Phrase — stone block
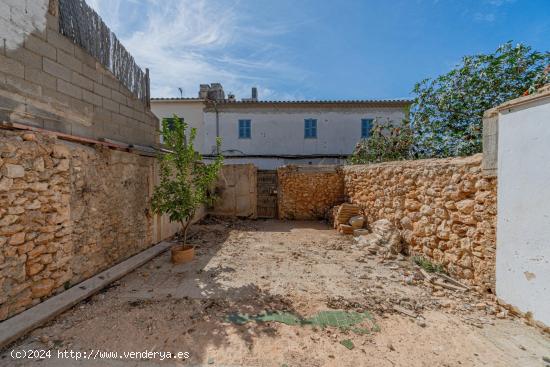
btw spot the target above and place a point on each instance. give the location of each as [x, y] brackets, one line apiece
[26, 57]
[102, 90]
[83, 55]
[5, 183]
[40, 47]
[17, 239]
[118, 97]
[13, 170]
[111, 82]
[57, 70]
[59, 41]
[22, 86]
[82, 81]
[111, 105]
[69, 61]
[69, 89]
[42, 288]
[37, 76]
[91, 73]
[92, 98]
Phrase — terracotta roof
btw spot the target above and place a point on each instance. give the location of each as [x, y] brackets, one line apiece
[353, 101]
[267, 102]
[177, 99]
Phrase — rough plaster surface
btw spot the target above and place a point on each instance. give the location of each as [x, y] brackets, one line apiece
[20, 18]
[523, 247]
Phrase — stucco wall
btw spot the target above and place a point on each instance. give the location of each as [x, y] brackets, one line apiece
[190, 111]
[67, 212]
[274, 163]
[281, 131]
[307, 193]
[523, 250]
[48, 82]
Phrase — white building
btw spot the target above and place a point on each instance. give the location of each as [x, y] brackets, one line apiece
[270, 134]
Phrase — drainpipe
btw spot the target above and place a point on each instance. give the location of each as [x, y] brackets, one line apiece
[217, 125]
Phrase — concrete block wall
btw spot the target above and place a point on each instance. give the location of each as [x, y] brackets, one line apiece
[48, 82]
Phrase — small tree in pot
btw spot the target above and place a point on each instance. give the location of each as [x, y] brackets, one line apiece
[185, 181]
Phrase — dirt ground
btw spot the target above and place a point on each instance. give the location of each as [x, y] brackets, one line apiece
[249, 267]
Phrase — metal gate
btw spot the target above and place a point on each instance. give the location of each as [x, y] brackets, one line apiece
[267, 194]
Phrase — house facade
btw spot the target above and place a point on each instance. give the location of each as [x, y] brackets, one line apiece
[271, 134]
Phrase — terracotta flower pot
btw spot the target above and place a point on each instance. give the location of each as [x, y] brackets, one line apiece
[181, 254]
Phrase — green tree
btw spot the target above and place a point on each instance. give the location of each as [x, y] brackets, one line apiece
[385, 143]
[185, 180]
[447, 111]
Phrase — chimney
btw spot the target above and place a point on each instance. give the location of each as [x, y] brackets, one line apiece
[254, 94]
[203, 91]
[216, 92]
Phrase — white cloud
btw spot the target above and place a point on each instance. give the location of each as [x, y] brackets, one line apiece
[487, 17]
[188, 42]
[500, 2]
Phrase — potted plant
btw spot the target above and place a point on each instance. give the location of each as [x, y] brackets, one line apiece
[185, 181]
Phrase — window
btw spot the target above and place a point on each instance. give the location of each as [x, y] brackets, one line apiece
[170, 121]
[366, 127]
[310, 129]
[244, 129]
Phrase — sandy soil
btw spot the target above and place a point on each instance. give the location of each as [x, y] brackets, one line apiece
[299, 267]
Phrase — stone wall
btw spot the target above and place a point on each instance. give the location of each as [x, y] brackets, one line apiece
[308, 192]
[445, 208]
[67, 212]
[49, 82]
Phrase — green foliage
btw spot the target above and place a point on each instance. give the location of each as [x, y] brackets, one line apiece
[428, 265]
[185, 180]
[447, 111]
[386, 143]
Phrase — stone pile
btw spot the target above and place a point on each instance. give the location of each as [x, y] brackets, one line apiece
[341, 216]
[384, 240]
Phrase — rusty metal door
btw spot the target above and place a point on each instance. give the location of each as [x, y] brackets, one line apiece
[267, 194]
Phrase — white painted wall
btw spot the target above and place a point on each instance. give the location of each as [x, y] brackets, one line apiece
[274, 163]
[191, 111]
[281, 131]
[19, 18]
[523, 228]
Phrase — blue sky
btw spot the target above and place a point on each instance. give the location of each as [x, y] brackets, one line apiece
[313, 49]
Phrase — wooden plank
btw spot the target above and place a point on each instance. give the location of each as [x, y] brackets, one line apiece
[404, 311]
[23, 323]
[78, 139]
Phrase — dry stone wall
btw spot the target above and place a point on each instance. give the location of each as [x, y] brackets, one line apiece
[308, 192]
[445, 208]
[67, 212]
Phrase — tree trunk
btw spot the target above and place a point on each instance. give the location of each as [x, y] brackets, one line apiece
[185, 226]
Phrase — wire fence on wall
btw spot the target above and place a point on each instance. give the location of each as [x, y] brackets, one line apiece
[84, 26]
